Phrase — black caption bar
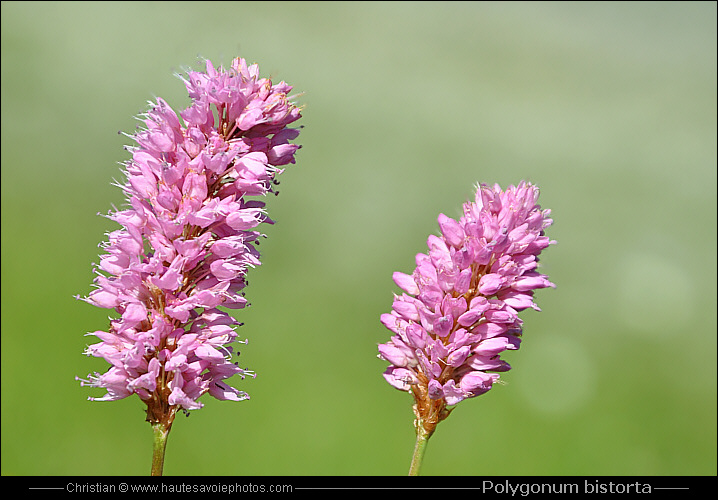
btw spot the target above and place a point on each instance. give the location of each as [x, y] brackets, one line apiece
[506, 487]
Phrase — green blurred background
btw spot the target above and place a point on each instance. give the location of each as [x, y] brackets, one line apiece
[609, 108]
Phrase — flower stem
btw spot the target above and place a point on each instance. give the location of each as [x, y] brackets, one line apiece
[158, 447]
[422, 438]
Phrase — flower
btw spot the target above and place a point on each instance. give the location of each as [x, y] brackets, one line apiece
[460, 306]
[188, 238]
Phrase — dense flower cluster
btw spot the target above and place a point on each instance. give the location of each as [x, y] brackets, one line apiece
[188, 238]
[460, 309]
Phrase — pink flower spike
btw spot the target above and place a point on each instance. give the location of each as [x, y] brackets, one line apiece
[459, 312]
[188, 238]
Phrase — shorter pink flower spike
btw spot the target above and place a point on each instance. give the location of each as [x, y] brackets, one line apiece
[459, 309]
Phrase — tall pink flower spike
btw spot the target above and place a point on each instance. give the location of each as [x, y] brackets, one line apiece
[188, 238]
[460, 306]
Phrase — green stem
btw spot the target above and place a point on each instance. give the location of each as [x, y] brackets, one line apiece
[422, 437]
[158, 447]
